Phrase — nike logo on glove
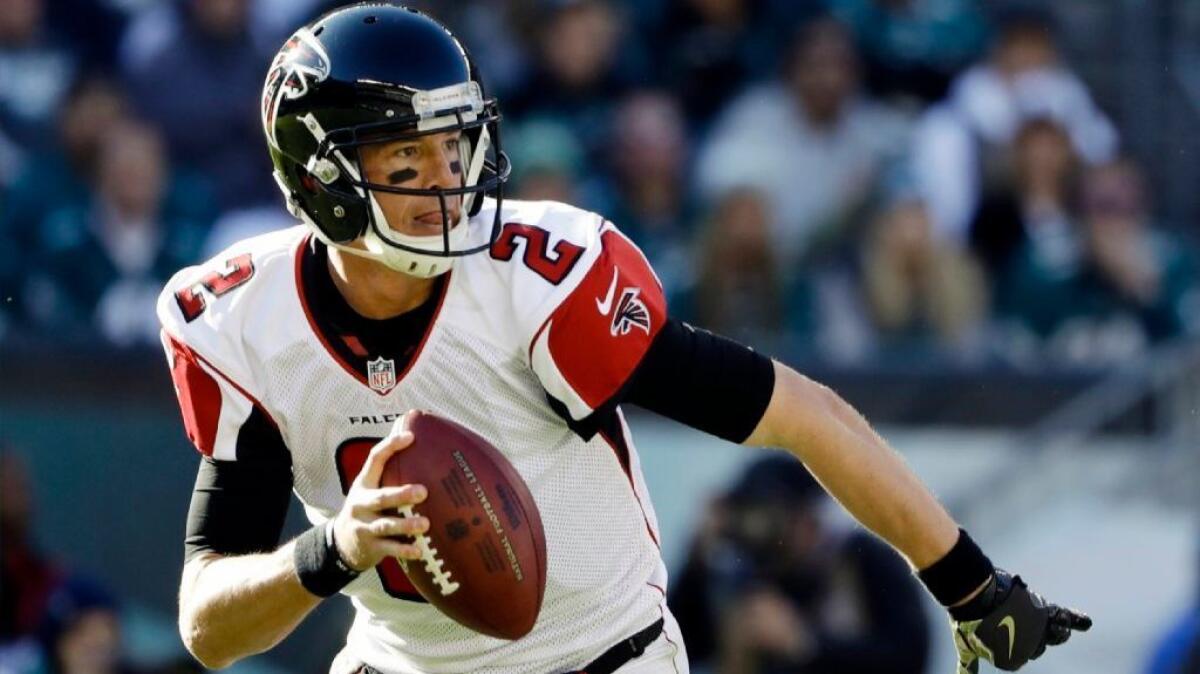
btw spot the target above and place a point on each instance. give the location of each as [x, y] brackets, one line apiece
[1012, 633]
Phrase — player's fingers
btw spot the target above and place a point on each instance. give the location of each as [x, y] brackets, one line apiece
[384, 498]
[399, 526]
[1057, 634]
[968, 663]
[1080, 622]
[380, 453]
[1069, 619]
[393, 548]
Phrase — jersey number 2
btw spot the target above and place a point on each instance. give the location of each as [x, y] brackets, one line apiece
[191, 301]
[350, 456]
[537, 251]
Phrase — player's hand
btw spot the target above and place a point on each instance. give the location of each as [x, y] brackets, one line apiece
[1008, 625]
[364, 530]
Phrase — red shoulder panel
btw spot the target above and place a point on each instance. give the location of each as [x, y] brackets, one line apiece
[600, 332]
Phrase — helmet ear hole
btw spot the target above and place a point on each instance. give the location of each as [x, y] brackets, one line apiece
[308, 182]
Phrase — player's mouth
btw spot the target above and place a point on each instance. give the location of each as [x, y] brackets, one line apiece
[431, 222]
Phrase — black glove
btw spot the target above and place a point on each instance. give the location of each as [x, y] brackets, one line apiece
[1008, 625]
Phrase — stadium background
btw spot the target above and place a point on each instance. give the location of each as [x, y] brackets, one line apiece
[974, 220]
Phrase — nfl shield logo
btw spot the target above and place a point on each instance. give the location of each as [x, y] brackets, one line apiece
[381, 374]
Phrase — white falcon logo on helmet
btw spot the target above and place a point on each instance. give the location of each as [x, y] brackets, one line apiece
[300, 63]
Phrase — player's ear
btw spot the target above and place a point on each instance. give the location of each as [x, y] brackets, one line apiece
[307, 181]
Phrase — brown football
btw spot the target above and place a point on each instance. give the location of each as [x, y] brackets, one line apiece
[484, 562]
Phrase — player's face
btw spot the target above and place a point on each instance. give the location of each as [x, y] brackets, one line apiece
[424, 162]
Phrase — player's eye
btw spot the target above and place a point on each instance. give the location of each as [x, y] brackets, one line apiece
[407, 152]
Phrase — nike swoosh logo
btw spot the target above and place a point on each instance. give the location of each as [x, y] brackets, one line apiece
[1009, 624]
[606, 305]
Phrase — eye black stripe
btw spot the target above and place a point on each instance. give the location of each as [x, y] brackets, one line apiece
[401, 176]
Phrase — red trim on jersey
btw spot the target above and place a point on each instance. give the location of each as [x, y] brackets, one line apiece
[353, 372]
[199, 397]
[621, 450]
[604, 327]
[666, 633]
[208, 364]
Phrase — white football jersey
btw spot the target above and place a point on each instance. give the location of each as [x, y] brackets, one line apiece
[562, 304]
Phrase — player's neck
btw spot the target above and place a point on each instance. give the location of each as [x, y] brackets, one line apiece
[373, 290]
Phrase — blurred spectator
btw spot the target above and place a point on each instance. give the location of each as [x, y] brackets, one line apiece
[958, 141]
[59, 176]
[914, 47]
[770, 585]
[919, 289]
[547, 158]
[10, 161]
[1034, 204]
[51, 622]
[26, 577]
[738, 291]
[809, 143]
[36, 68]
[1126, 284]
[199, 78]
[93, 28]
[1179, 650]
[497, 35]
[81, 631]
[104, 263]
[579, 70]
[234, 226]
[273, 21]
[710, 49]
[62, 174]
[646, 193]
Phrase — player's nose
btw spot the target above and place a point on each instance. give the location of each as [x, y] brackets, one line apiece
[445, 173]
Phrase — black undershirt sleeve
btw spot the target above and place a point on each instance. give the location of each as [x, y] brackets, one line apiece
[706, 381]
[239, 507]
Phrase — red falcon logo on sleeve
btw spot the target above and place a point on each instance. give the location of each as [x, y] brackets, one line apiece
[631, 312]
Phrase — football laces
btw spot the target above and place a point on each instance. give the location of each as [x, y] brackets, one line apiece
[434, 565]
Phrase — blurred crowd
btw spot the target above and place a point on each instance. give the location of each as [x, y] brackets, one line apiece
[844, 179]
[54, 619]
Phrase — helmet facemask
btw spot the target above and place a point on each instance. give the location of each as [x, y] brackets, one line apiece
[337, 168]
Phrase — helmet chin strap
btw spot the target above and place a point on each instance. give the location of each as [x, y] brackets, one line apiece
[382, 254]
[410, 262]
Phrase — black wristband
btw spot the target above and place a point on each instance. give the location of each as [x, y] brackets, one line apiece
[318, 563]
[959, 573]
[983, 603]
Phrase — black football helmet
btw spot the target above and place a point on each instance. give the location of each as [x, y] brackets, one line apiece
[372, 73]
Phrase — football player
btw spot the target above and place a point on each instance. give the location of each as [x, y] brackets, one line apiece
[413, 284]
